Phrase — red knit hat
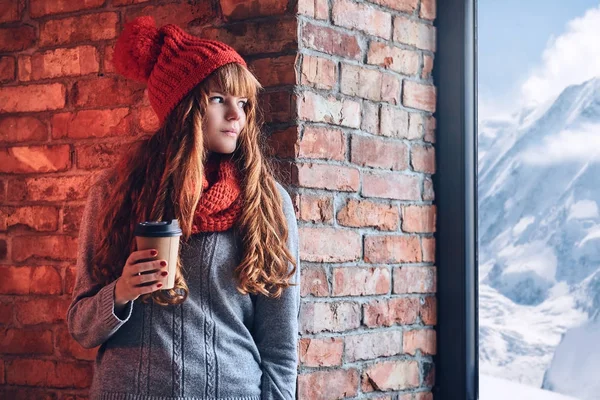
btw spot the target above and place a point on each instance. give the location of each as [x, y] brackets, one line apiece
[169, 60]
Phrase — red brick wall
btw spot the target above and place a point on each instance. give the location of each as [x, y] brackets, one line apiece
[348, 105]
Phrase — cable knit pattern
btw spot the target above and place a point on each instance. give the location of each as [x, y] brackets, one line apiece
[221, 202]
[171, 61]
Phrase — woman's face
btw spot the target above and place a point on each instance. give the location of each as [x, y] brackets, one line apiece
[225, 119]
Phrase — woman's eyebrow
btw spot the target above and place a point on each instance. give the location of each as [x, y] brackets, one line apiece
[225, 94]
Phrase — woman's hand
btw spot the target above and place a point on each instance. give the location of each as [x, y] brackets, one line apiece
[140, 276]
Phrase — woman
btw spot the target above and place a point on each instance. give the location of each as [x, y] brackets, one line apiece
[228, 329]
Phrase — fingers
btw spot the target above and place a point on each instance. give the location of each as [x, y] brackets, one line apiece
[140, 255]
[145, 278]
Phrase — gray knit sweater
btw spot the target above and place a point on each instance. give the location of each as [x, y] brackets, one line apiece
[219, 344]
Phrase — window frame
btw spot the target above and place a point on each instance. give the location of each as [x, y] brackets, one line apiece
[455, 183]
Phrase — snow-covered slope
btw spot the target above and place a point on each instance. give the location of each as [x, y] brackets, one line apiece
[491, 388]
[539, 231]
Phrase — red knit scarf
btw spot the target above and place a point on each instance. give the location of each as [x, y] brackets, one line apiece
[220, 204]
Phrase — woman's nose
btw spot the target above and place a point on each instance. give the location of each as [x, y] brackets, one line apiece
[233, 112]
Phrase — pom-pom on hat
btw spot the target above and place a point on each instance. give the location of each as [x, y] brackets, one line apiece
[169, 60]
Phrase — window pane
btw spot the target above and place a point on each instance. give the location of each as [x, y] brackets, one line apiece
[538, 199]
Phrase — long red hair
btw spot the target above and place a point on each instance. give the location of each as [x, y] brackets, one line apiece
[160, 176]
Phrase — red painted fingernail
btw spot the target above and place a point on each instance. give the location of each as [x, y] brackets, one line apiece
[153, 252]
[164, 273]
[163, 263]
[159, 285]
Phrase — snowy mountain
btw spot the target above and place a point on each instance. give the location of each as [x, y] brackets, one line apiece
[539, 231]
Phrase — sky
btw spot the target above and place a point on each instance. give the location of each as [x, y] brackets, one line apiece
[530, 50]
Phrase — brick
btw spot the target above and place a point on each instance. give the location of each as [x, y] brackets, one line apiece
[416, 126]
[363, 213]
[24, 68]
[3, 249]
[7, 69]
[22, 129]
[38, 218]
[329, 317]
[316, 108]
[32, 98]
[21, 393]
[428, 311]
[430, 126]
[325, 352]
[324, 176]
[419, 96]
[42, 310]
[328, 385]
[418, 219]
[363, 17]
[406, 6]
[323, 143]
[394, 122]
[106, 92]
[107, 65]
[16, 39]
[6, 317]
[361, 82]
[422, 158]
[428, 374]
[427, 66]
[51, 188]
[181, 13]
[60, 248]
[318, 72]
[424, 395]
[317, 9]
[330, 41]
[390, 89]
[235, 10]
[315, 208]
[42, 280]
[67, 347]
[127, 2]
[91, 124]
[87, 27]
[413, 33]
[370, 118]
[391, 375]
[353, 281]
[278, 36]
[284, 143]
[146, 119]
[420, 339]
[391, 185]
[99, 155]
[44, 373]
[2, 373]
[273, 71]
[428, 245]
[70, 277]
[428, 193]
[72, 215]
[278, 106]
[11, 10]
[40, 8]
[392, 249]
[368, 151]
[57, 63]
[28, 159]
[415, 280]
[314, 282]
[428, 9]
[25, 341]
[400, 60]
[368, 346]
[329, 245]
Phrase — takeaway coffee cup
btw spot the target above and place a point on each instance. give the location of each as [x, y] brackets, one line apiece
[164, 237]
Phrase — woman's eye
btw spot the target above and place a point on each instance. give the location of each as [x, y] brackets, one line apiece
[243, 103]
[216, 97]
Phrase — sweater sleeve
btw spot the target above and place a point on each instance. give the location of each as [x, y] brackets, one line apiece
[276, 326]
[91, 317]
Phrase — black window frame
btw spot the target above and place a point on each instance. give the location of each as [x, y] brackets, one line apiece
[455, 183]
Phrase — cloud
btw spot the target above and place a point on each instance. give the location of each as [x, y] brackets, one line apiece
[577, 146]
[571, 58]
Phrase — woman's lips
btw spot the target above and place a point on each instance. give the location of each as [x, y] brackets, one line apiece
[230, 133]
